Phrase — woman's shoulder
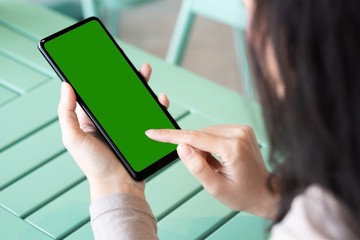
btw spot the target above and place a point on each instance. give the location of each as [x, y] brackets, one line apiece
[315, 214]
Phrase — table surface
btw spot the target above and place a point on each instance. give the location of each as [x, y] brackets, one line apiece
[44, 195]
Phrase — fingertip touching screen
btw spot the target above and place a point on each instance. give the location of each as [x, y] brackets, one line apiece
[111, 90]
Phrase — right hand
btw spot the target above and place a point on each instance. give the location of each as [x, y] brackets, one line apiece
[239, 179]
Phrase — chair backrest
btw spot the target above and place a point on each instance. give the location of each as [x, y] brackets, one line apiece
[111, 8]
[90, 8]
[230, 12]
[93, 7]
[122, 3]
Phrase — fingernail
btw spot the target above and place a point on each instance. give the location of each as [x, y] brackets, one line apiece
[184, 151]
[150, 133]
[63, 90]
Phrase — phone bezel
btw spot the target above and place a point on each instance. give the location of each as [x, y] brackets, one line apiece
[137, 175]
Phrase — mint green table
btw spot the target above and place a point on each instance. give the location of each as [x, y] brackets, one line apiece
[43, 194]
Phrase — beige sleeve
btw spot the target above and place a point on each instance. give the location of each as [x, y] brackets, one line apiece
[122, 216]
[313, 215]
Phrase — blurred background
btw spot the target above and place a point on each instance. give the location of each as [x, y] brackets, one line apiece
[210, 51]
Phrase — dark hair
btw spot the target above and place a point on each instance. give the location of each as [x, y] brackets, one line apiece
[314, 130]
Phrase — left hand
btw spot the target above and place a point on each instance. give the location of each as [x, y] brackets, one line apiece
[105, 173]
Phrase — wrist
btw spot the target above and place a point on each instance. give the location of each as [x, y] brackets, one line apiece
[104, 187]
[267, 206]
[266, 202]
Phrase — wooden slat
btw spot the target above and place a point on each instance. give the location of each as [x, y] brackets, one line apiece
[170, 189]
[65, 214]
[23, 50]
[41, 186]
[194, 219]
[243, 226]
[12, 227]
[196, 121]
[29, 154]
[176, 110]
[31, 19]
[17, 77]
[6, 95]
[84, 232]
[28, 113]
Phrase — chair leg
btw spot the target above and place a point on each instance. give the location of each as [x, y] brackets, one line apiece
[181, 33]
[113, 21]
[243, 65]
[90, 8]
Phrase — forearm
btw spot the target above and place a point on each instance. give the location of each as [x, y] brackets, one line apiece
[122, 216]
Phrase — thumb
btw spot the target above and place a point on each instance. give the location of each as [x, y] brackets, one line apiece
[198, 166]
[68, 120]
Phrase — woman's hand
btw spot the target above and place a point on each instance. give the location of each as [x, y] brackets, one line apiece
[105, 173]
[239, 179]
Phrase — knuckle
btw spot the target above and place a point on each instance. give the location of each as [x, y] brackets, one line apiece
[191, 136]
[248, 130]
[234, 147]
[241, 133]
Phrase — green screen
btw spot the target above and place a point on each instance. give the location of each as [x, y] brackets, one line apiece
[112, 91]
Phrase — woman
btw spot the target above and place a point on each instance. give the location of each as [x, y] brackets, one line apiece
[305, 57]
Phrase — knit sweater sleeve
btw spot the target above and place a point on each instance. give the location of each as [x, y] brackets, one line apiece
[122, 216]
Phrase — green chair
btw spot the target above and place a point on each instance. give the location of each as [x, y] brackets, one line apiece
[109, 10]
[229, 12]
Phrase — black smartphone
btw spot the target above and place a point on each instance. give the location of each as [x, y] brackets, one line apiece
[112, 93]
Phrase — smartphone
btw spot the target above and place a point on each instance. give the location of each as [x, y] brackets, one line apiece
[112, 93]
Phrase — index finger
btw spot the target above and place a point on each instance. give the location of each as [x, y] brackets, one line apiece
[200, 140]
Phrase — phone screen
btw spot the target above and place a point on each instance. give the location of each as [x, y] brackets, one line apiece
[111, 91]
